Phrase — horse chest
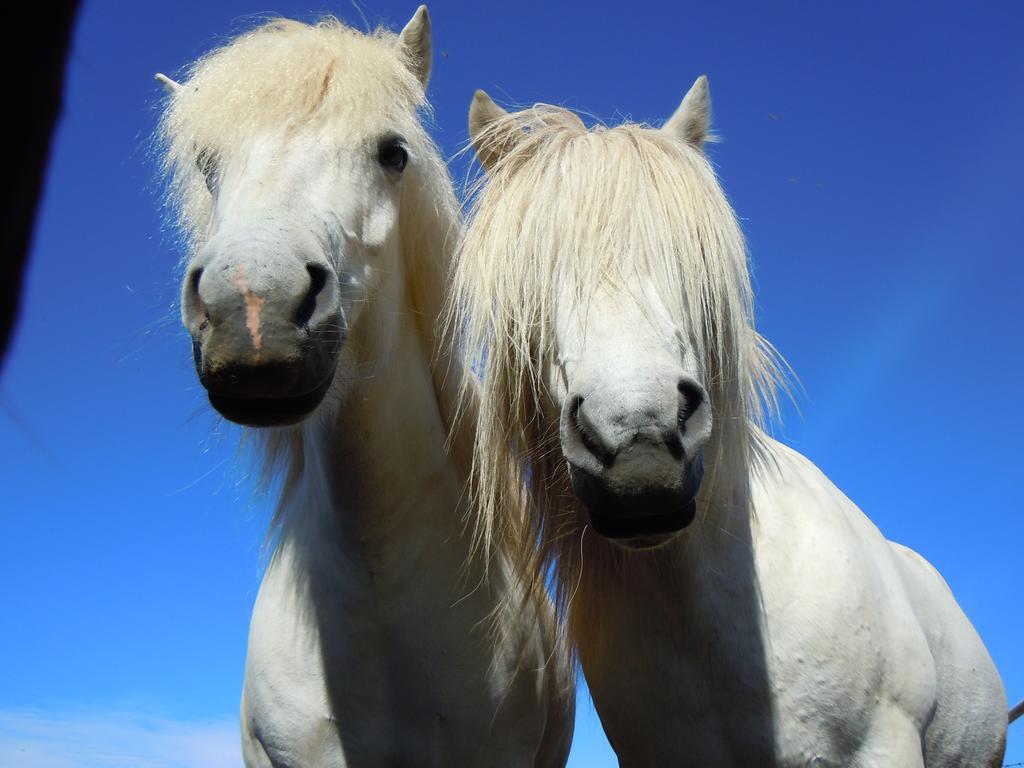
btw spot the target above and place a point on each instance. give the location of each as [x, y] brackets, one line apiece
[376, 675]
[802, 660]
[671, 695]
[846, 659]
[741, 697]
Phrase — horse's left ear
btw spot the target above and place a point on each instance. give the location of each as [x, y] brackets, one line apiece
[416, 43]
[491, 133]
[692, 120]
[171, 86]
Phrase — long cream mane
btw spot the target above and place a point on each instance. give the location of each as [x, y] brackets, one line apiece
[284, 77]
[566, 206]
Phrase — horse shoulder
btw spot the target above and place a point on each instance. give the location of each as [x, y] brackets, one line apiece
[845, 645]
[969, 722]
[286, 712]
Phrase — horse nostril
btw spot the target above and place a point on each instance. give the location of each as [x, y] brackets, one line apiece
[317, 281]
[691, 397]
[193, 303]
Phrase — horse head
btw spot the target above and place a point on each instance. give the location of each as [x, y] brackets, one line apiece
[615, 262]
[289, 148]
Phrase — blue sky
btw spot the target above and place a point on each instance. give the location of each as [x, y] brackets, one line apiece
[873, 153]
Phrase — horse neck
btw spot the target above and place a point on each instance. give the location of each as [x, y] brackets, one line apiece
[393, 431]
[376, 484]
[429, 236]
[392, 483]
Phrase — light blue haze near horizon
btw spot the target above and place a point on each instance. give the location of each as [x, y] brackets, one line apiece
[873, 152]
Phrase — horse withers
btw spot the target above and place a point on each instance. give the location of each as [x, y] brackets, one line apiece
[319, 221]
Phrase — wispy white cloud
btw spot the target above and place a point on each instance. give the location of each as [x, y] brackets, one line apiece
[111, 739]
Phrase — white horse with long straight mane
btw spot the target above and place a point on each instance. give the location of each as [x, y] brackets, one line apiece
[729, 605]
[319, 220]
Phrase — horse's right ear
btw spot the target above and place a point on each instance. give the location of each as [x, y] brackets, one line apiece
[691, 122]
[492, 134]
[416, 41]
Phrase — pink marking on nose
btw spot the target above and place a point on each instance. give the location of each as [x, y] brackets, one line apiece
[253, 304]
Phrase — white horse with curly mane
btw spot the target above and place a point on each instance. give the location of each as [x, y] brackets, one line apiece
[730, 606]
[320, 222]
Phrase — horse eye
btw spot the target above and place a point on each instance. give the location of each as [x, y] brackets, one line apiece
[392, 155]
[207, 163]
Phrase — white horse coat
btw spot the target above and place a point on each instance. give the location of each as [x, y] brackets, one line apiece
[320, 220]
[729, 605]
[857, 655]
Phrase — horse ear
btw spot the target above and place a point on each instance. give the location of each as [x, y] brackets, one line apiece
[490, 141]
[166, 82]
[692, 120]
[415, 40]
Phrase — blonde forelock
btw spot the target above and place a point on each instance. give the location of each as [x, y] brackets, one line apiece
[281, 77]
